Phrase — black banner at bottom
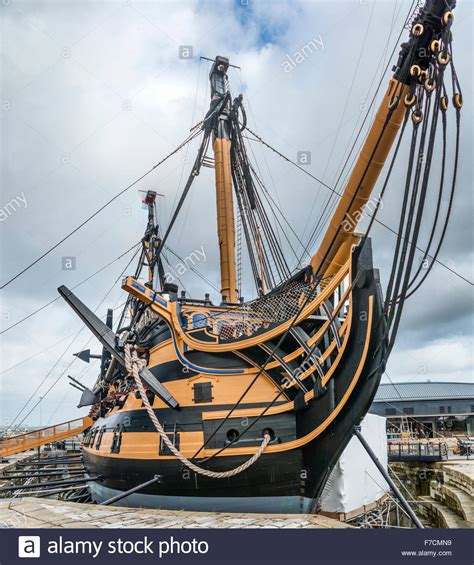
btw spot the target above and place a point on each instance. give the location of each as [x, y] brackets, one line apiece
[195, 546]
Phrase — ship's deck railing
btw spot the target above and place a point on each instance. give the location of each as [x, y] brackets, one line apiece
[43, 436]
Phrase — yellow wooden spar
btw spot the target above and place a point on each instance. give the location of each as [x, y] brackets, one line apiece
[225, 219]
[224, 200]
[335, 247]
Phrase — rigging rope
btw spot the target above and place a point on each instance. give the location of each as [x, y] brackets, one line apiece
[448, 213]
[62, 355]
[262, 241]
[403, 265]
[134, 365]
[380, 222]
[458, 104]
[401, 279]
[274, 206]
[341, 120]
[194, 173]
[308, 297]
[326, 211]
[407, 239]
[31, 314]
[88, 219]
[437, 211]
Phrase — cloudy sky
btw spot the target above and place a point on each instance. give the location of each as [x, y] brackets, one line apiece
[95, 93]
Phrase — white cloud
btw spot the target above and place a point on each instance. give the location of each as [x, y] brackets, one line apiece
[448, 359]
[123, 99]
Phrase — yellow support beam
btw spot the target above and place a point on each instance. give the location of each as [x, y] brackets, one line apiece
[225, 219]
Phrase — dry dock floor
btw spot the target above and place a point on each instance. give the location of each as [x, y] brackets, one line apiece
[41, 513]
[12, 460]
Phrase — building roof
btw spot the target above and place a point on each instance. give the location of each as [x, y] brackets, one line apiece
[423, 391]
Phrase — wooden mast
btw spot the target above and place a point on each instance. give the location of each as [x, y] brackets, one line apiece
[224, 199]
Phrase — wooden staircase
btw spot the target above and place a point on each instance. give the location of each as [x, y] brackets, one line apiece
[37, 438]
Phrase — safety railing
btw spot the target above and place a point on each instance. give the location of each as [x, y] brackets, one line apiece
[43, 436]
[417, 451]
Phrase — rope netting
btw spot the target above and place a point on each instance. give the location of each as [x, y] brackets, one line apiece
[250, 317]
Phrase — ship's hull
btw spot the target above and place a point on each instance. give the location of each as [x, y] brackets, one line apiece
[308, 438]
[272, 485]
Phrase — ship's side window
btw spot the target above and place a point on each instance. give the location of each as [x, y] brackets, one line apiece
[202, 392]
[390, 412]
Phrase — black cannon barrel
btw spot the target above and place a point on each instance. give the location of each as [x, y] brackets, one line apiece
[156, 479]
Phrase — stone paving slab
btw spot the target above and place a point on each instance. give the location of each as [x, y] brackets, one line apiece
[460, 473]
[40, 513]
[463, 464]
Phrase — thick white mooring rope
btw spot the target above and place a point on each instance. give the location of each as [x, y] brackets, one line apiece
[134, 365]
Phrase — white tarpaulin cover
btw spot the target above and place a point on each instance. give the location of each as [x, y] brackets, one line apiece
[355, 480]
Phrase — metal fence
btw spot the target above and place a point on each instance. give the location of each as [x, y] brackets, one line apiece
[417, 451]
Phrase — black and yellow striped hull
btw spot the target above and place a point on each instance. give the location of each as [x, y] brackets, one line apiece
[310, 426]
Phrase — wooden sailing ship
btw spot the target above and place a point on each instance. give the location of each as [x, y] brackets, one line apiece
[263, 396]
